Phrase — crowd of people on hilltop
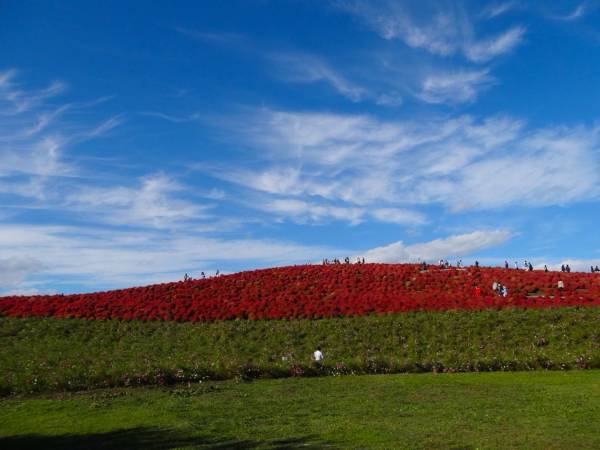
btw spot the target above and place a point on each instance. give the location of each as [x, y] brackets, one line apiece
[203, 276]
[526, 265]
[442, 263]
[346, 261]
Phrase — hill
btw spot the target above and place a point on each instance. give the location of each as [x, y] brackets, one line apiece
[319, 291]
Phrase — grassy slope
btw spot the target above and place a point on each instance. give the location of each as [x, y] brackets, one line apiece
[39, 354]
[536, 410]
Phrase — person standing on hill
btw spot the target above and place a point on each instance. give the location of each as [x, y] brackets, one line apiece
[317, 357]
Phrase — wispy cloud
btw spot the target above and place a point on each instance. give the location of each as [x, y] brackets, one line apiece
[302, 68]
[391, 20]
[16, 100]
[498, 9]
[454, 87]
[486, 49]
[172, 118]
[35, 133]
[104, 127]
[461, 163]
[579, 11]
[306, 212]
[214, 37]
[439, 30]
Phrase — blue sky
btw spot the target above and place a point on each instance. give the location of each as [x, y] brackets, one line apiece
[142, 141]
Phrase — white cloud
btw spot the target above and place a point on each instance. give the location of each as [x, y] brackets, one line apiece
[577, 12]
[457, 246]
[174, 119]
[498, 9]
[151, 204]
[398, 216]
[484, 50]
[580, 10]
[99, 257]
[104, 127]
[304, 212]
[391, 20]
[389, 99]
[454, 87]
[461, 163]
[214, 37]
[307, 212]
[15, 269]
[549, 167]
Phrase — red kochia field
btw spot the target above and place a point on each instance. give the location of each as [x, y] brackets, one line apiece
[314, 291]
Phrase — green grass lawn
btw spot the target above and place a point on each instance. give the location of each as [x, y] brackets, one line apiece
[49, 355]
[532, 410]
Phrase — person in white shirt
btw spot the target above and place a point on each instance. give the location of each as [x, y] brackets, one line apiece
[317, 357]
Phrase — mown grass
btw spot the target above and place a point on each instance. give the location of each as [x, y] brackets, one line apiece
[533, 410]
[48, 354]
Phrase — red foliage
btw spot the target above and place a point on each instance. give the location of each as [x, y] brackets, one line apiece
[318, 291]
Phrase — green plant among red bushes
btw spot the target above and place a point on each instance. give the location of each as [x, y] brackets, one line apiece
[314, 291]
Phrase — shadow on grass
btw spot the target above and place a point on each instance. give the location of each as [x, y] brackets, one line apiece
[151, 439]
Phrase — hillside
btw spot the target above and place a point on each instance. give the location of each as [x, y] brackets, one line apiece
[319, 291]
